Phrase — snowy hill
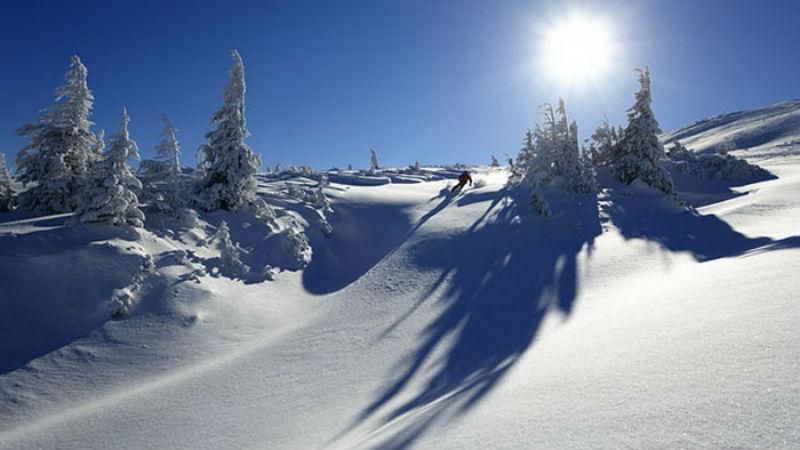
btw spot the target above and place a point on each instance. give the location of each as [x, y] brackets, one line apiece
[424, 321]
[771, 129]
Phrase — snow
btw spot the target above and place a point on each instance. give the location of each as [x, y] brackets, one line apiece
[424, 320]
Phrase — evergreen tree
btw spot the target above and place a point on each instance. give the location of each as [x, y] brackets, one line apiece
[169, 151]
[494, 162]
[373, 162]
[639, 151]
[552, 153]
[230, 255]
[62, 147]
[108, 194]
[601, 144]
[6, 189]
[228, 166]
[525, 156]
[679, 151]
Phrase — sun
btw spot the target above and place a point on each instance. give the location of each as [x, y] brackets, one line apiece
[578, 50]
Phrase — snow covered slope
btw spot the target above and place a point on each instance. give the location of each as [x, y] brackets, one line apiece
[425, 321]
[774, 129]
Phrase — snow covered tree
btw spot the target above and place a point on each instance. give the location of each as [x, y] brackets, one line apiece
[229, 252]
[495, 162]
[601, 143]
[579, 172]
[713, 165]
[639, 151]
[6, 190]
[373, 162]
[108, 193]
[726, 146]
[679, 151]
[551, 155]
[228, 166]
[525, 156]
[169, 151]
[62, 146]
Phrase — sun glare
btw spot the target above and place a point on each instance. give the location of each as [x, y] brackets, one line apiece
[578, 50]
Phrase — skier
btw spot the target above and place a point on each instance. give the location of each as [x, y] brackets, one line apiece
[462, 181]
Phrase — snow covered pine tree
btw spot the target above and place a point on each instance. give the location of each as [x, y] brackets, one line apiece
[6, 190]
[639, 151]
[551, 156]
[228, 166]
[62, 147]
[373, 162]
[229, 252]
[108, 193]
[602, 143]
[169, 151]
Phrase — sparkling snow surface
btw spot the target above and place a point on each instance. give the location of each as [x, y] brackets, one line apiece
[425, 322]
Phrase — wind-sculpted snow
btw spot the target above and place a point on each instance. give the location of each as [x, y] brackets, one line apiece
[57, 284]
[768, 128]
[425, 320]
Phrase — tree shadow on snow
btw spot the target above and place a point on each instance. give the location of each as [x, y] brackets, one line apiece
[498, 281]
[502, 277]
[642, 214]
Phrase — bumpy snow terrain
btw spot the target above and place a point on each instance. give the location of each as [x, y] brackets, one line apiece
[425, 320]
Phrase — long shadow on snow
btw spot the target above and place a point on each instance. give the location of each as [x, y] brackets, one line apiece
[510, 269]
[56, 286]
[656, 219]
[363, 235]
[498, 282]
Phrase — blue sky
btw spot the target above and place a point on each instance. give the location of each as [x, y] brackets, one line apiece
[438, 81]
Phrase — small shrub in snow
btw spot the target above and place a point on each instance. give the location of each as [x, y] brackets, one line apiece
[315, 198]
[228, 166]
[638, 152]
[62, 147]
[7, 196]
[108, 193]
[713, 166]
[229, 252]
[299, 248]
[263, 212]
[679, 152]
[187, 218]
[124, 299]
[726, 146]
[268, 273]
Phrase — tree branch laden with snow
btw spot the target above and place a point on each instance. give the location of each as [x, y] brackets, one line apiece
[228, 166]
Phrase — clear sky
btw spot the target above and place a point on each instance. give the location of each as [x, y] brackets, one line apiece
[439, 81]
